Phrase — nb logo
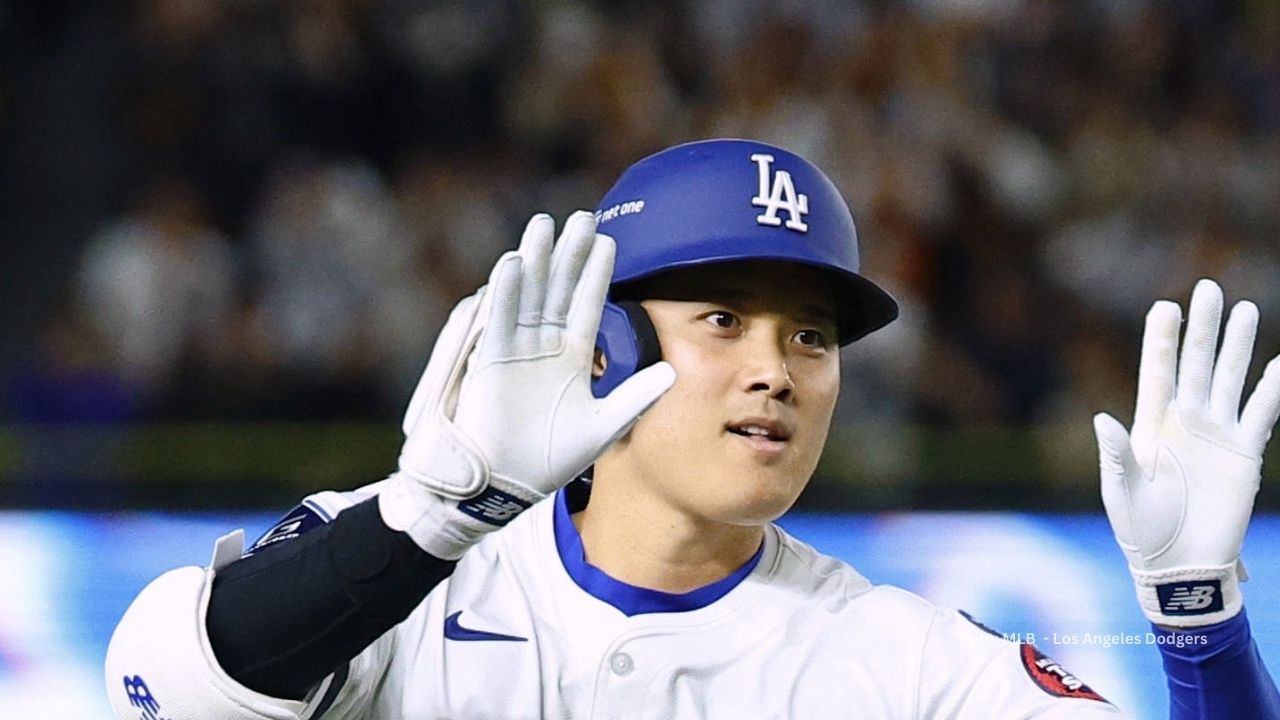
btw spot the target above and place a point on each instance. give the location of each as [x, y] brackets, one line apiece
[494, 507]
[778, 195]
[140, 697]
[284, 528]
[1190, 598]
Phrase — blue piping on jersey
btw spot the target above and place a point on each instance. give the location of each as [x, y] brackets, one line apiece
[630, 599]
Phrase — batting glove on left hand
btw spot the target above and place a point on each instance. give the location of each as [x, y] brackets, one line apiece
[1180, 490]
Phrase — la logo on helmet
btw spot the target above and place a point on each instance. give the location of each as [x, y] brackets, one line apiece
[780, 194]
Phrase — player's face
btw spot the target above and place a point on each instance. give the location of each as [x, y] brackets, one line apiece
[757, 373]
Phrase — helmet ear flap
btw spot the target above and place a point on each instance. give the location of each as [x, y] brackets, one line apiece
[628, 341]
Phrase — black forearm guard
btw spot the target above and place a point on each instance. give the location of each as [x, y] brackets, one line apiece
[282, 619]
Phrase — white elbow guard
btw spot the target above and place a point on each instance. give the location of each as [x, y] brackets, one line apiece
[160, 664]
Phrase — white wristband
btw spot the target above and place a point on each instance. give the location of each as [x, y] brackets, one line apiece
[446, 527]
[1190, 597]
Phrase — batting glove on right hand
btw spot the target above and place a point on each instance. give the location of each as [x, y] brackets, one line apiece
[504, 413]
[1180, 490]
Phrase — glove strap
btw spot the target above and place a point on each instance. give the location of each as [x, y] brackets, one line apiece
[1190, 597]
[450, 466]
[443, 526]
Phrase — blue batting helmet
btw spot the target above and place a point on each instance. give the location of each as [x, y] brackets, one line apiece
[720, 201]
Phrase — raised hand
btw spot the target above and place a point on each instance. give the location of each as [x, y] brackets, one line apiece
[1179, 490]
[504, 414]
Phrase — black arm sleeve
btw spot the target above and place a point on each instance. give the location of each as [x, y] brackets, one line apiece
[282, 619]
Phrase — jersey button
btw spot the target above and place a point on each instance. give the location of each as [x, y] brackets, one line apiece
[621, 664]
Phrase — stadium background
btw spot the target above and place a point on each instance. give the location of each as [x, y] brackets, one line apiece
[230, 229]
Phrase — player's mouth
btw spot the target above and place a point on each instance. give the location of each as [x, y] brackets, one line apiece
[763, 434]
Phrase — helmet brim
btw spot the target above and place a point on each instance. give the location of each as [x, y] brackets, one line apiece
[862, 307]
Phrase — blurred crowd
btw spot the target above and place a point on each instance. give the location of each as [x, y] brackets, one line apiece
[300, 190]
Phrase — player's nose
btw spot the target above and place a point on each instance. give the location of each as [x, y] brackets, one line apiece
[765, 368]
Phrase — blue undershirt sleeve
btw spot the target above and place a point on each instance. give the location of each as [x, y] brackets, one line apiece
[1216, 672]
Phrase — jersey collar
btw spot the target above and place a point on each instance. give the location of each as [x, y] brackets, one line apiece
[629, 599]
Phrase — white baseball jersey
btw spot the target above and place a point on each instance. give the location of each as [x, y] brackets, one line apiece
[524, 628]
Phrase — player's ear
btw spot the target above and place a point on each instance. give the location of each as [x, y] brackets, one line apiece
[598, 364]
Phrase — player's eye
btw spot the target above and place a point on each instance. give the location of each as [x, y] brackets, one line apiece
[722, 319]
[811, 338]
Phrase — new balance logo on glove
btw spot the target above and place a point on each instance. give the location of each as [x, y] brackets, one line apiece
[493, 506]
[1190, 598]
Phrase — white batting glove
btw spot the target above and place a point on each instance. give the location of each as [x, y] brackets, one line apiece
[504, 414]
[1179, 493]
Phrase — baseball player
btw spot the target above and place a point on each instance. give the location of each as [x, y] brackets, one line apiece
[580, 525]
